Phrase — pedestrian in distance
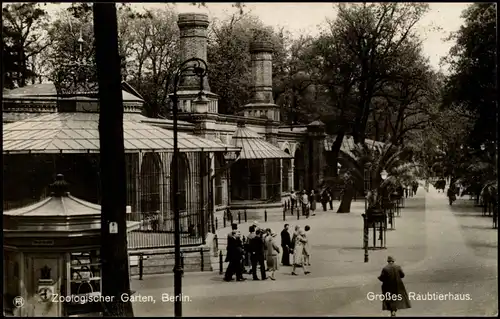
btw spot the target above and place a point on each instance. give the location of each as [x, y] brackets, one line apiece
[257, 250]
[393, 288]
[324, 200]
[298, 252]
[293, 199]
[415, 188]
[451, 194]
[273, 251]
[307, 246]
[312, 201]
[330, 198]
[286, 244]
[305, 203]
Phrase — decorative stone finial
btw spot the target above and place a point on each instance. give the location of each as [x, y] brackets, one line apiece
[60, 186]
[261, 46]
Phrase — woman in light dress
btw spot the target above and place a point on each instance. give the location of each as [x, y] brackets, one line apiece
[272, 252]
[299, 252]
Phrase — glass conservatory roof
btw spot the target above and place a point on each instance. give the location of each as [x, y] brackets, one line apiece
[45, 91]
[253, 146]
[78, 133]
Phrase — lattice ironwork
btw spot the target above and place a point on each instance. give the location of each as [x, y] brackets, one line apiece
[77, 75]
[76, 78]
[256, 180]
[299, 171]
[286, 187]
[148, 190]
[220, 175]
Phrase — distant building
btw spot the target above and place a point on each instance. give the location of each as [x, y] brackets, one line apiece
[57, 134]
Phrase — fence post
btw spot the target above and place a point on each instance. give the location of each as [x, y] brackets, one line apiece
[216, 239]
[202, 261]
[265, 215]
[216, 223]
[221, 264]
[239, 217]
[141, 266]
[284, 213]
[298, 213]
[224, 221]
[245, 212]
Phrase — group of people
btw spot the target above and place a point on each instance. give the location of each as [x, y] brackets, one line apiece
[411, 189]
[260, 249]
[306, 201]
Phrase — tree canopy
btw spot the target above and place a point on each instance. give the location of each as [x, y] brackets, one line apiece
[471, 89]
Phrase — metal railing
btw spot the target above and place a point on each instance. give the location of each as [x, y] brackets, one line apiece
[156, 230]
[194, 260]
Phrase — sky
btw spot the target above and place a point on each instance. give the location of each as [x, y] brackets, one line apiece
[305, 18]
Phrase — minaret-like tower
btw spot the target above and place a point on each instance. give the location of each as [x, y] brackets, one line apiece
[262, 103]
[193, 44]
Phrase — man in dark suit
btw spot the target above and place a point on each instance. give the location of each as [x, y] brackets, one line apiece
[234, 255]
[257, 249]
[393, 288]
[286, 243]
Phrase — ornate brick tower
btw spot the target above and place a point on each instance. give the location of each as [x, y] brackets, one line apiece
[193, 42]
[262, 103]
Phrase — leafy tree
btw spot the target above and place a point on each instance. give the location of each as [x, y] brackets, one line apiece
[23, 38]
[378, 158]
[294, 84]
[471, 88]
[230, 77]
[379, 37]
[72, 54]
[153, 41]
[365, 49]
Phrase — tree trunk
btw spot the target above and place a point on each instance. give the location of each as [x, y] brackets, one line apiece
[114, 255]
[336, 152]
[345, 204]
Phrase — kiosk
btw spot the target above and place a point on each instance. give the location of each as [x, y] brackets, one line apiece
[51, 256]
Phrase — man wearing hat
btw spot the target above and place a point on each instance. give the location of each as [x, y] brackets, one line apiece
[234, 255]
[258, 253]
[393, 288]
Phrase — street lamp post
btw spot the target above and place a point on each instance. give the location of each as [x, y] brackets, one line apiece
[383, 225]
[199, 67]
[367, 184]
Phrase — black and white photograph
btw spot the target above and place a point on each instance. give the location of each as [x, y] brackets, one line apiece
[234, 159]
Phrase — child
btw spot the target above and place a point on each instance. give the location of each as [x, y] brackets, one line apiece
[307, 247]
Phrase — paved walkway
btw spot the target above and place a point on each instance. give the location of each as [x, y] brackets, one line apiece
[428, 243]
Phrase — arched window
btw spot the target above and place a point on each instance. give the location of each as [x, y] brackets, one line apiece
[218, 178]
[285, 185]
[151, 177]
[299, 170]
